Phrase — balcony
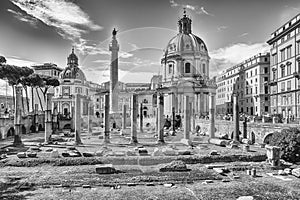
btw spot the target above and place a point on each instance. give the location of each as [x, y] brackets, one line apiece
[273, 82]
[296, 75]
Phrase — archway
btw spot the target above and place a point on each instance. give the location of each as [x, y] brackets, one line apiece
[32, 129]
[11, 132]
[67, 126]
[267, 138]
[41, 127]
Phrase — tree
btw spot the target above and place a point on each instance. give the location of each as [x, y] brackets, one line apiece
[48, 82]
[2, 60]
[289, 142]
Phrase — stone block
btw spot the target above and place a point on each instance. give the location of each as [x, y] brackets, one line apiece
[246, 141]
[71, 148]
[296, 172]
[288, 171]
[214, 166]
[55, 154]
[213, 153]
[207, 181]
[65, 154]
[218, 142]
[21, 155]
[36, 149]
[245, 198]
[184, 152]
[31, 154]
[105, 169]
[176, 165]
[168, 185]
[218, 170]
[186, 142]
[88, 154]
[120, 153]
[157, 152]
[49, 149]
[281, 172]
[246, 148]
[169, 151]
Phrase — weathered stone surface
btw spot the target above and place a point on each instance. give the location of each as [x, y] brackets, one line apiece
[21, 155]
[214, 166]
[246, 148]
[86, 186]
[281, 172]
[103, 151]
[74, 153]
[176, 165]
[55, 154]
[105, 169]
[168, 184]
[131, 153]
[49, 149]
[296, 172]
[120, 153]
[65, 154]
[71, 148]
[246, 141]
[37, 149]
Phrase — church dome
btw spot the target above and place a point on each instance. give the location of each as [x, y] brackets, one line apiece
[72, 73]
[185, 41]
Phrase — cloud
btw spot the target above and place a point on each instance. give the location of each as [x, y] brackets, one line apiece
[69, 20]
[243, 34]
[197, 9]
[221, 28]
[24, 18]
[14, 60]
[229, 56]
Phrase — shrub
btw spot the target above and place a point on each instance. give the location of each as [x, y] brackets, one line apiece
[289, 142]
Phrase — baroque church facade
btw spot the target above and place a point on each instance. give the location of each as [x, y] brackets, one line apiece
[185, 65]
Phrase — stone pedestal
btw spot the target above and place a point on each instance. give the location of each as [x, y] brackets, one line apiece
[160, 118]
[187, 122]
[236, 118]
[273, 155]
[77, 119]
[48, 118]
[212, 115]
[18, 116]
[123, 131]
[106, 119]
[134, 109]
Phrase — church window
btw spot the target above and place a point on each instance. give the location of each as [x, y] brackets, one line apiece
[170, 68]
[203, 66]
[187, 46]
[187, 67]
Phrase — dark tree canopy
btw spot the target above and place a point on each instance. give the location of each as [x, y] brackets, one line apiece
[2, 60]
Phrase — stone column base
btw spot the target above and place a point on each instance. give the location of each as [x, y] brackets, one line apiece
[160, 142]
[133, 141]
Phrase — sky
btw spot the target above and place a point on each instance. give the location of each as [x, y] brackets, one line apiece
[43, 31]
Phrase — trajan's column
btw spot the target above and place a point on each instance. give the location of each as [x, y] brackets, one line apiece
[114, 86]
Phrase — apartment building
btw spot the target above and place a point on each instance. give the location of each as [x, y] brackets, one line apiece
[285, 69]
[249, 80]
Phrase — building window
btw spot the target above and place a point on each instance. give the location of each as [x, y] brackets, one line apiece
[266, 70]
[274, 75]
[170, 68]
[266, 79]
[255, 90]
[288, 71]
[187, 67]
[282, 71]
[255, 71]
[289, 52]
[274, 59]
[204, 70]
[298, 47]
[282, 54]
[282, 86]
[266, 89]
[288, 86]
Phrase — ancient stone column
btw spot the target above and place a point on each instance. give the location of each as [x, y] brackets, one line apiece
[88, 118]
[212, 102]
[156, 119]
[201, 103]
[77, 119]
[134, 108]
[55, 120]
[114, 86]
[173, 132]
[123, 131]
[186, 121]
[236, 118]
[48, 118]
[106, 119]
[18, 116]
[193, 123]
[35, 121]
[160, 118]
[141, 117]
